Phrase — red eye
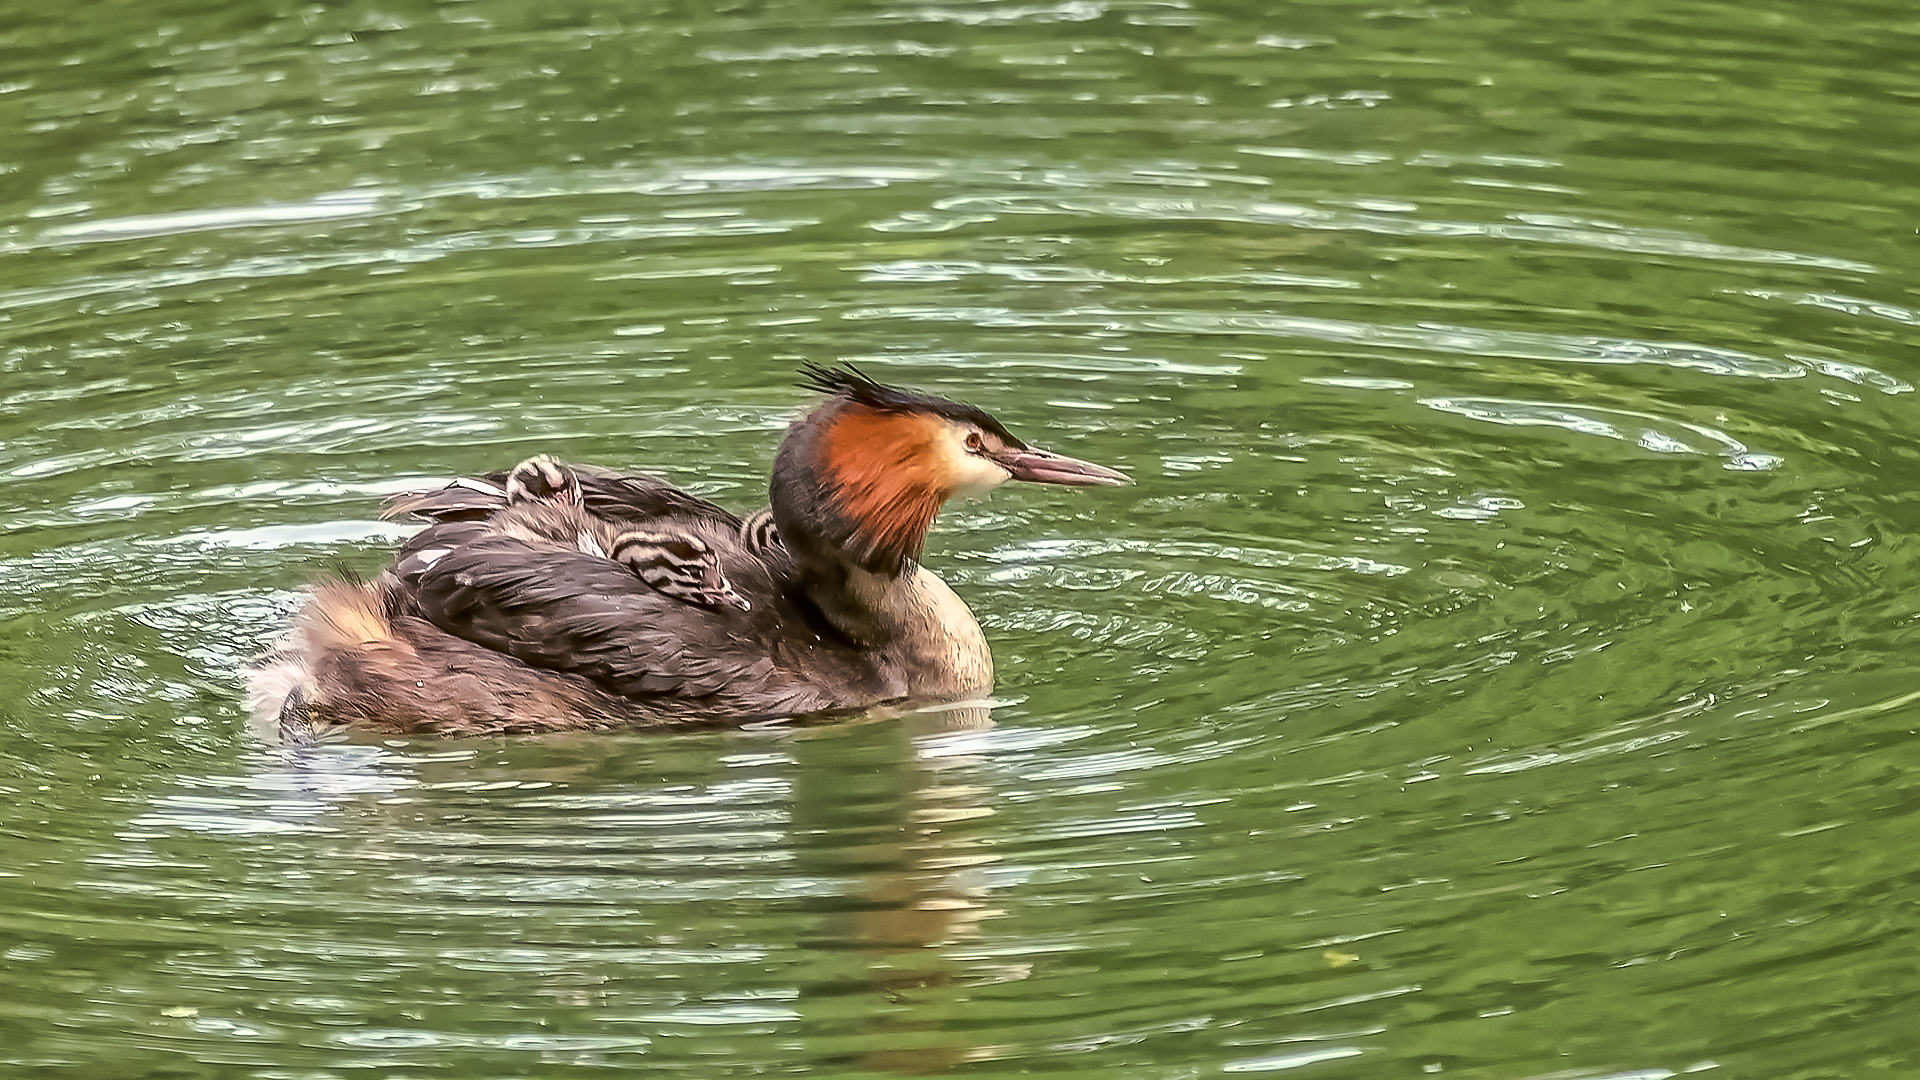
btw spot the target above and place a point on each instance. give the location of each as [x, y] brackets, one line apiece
[975, 443]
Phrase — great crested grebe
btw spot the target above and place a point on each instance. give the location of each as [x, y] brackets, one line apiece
[556, 597]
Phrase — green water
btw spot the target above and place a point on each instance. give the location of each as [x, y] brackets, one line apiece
[1498, 670]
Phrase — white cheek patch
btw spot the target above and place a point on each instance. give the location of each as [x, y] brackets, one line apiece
[976, 476]
[970, 474]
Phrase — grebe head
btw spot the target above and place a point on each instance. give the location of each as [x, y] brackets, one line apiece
[869, 469]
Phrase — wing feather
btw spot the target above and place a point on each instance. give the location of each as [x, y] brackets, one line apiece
[617, 496]
[568, 611]
[555, 607]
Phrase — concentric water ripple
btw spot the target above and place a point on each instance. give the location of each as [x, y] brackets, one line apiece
[1499, 667]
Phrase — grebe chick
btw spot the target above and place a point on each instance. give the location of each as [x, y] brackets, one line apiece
[679, 565]
[545, 505]
[760, 536]
[543, 479]
[502, 617]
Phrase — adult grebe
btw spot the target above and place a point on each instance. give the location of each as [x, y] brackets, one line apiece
[555, 597]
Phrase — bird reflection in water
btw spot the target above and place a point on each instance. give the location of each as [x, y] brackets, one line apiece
[647, 881]
[883, 980]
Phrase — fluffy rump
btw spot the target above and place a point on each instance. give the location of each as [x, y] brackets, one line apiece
[356, 657]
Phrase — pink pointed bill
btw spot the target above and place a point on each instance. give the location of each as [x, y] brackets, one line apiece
[1044, 467]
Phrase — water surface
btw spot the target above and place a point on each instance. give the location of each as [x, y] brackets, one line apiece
[1497, 670]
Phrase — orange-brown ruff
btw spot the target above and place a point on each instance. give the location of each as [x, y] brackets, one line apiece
[886, 474]
[509, 614]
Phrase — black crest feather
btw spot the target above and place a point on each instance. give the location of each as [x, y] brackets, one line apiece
[844, 378]
[856, 385]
